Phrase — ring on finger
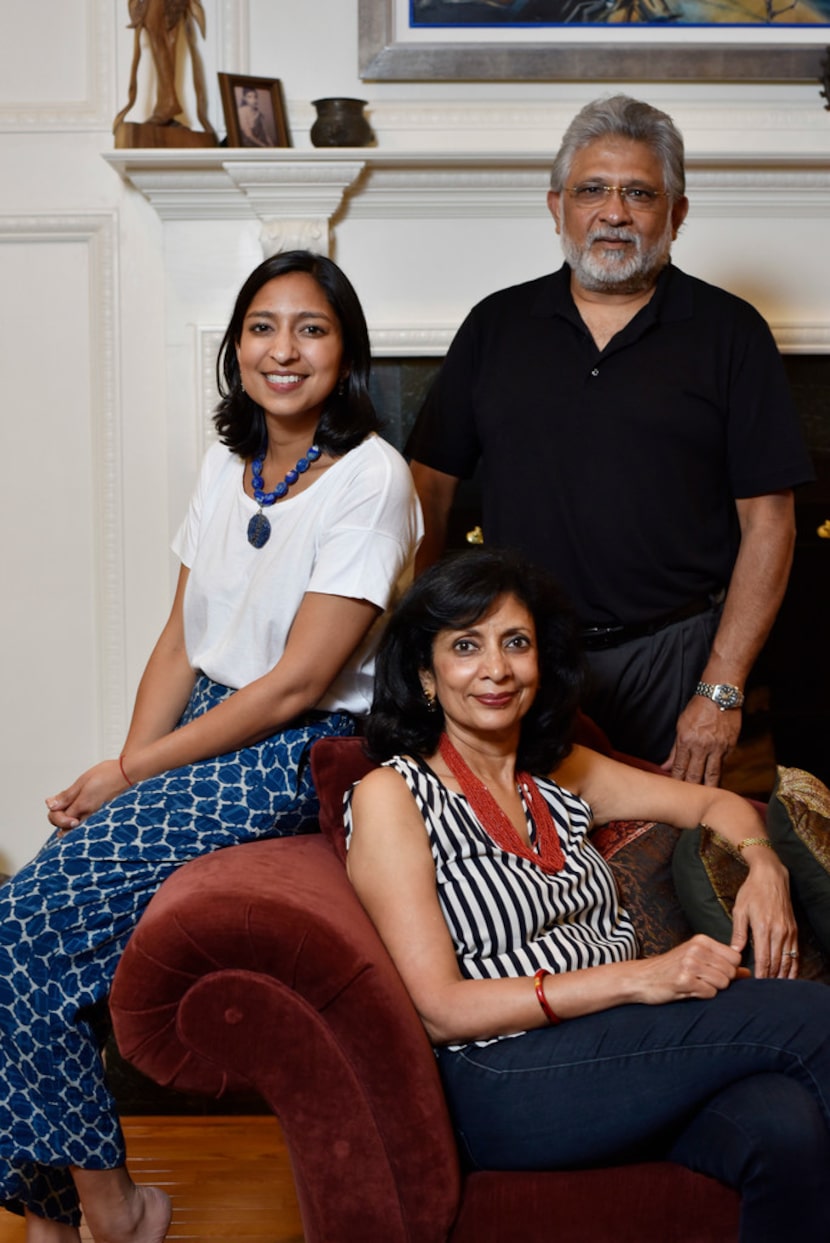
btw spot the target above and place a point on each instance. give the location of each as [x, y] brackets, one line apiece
[789, 953]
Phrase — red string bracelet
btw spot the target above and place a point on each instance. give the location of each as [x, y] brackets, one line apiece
[539, 984]
[123, 774]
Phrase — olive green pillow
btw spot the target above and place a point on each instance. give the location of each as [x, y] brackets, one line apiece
[708, 872]
[707, 875]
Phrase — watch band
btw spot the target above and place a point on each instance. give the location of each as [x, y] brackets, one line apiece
[723, 694]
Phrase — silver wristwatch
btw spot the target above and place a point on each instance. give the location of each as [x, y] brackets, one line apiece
[722, 694]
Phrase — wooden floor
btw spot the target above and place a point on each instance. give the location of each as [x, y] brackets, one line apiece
[229, 1179]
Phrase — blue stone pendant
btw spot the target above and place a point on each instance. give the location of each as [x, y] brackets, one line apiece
[259, 530]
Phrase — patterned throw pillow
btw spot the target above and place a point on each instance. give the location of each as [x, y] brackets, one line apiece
[639, 854]
[798, 822]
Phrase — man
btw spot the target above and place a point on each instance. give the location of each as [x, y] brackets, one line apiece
[637, 437]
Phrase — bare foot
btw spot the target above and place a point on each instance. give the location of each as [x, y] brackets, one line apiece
[38, 1230]
[155, 1211]
[144, 1220]
[118, 1211]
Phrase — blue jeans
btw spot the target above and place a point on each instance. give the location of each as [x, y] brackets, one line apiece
[737, 1087]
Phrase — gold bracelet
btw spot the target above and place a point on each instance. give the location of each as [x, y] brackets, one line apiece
[754, 841]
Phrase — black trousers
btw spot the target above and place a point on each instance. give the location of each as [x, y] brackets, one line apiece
[637, 691]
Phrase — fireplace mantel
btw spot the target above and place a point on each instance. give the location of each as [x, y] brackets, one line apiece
[292, 184]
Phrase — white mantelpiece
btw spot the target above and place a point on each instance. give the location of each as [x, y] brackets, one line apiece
[234, 184]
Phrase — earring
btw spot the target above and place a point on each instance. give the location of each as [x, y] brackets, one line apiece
[341, 388]
[431, 702]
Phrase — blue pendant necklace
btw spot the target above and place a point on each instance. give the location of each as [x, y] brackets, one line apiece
[259, 528]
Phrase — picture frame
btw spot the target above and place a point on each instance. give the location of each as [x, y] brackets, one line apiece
[600, 53]
[254, 111]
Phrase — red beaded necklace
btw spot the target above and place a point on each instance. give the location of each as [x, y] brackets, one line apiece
[496, 823]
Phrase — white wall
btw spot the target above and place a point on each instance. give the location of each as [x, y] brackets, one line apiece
[111, 308]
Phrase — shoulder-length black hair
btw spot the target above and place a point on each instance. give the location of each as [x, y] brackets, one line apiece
[349, 415]
[451, 595]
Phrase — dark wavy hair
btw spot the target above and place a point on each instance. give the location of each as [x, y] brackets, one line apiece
[349, 415]
[457, 592]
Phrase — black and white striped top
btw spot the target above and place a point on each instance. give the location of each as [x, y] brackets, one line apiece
[505, 915]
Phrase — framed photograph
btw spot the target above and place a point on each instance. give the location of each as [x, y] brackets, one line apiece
[600, 40]
[254, 111]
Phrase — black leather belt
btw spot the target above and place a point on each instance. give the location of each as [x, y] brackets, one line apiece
[597, 638]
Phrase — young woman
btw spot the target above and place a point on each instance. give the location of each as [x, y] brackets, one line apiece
[302, 526]
[557, 1045]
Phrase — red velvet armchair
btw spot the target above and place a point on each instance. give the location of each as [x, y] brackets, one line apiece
[257, 968]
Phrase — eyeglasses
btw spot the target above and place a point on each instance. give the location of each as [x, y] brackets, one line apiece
[637, 198]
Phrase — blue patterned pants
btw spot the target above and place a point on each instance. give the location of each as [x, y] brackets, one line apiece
[66, 917]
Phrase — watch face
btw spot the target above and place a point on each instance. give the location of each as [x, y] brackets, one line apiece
[727, 696]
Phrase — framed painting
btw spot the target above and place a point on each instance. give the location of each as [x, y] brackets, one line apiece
[600, 40]
[254, 111]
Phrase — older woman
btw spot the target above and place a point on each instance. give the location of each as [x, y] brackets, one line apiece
[557, 1045]
[302, 525]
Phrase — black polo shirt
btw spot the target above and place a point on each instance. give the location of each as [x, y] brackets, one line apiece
[616, 469]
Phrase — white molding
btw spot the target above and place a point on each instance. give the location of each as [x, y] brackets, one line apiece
[288, 184]
[211, 184]
[233, 36]
[766, 126]
[430, 341]
[433, 340]
[295, 201]
[98, 231]
[449, 193]
[93, 111]
[208, 341]
[802, 338]
[786, 191]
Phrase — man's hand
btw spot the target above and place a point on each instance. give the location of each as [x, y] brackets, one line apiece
[705, 736]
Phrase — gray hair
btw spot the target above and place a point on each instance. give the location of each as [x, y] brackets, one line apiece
[620, 116]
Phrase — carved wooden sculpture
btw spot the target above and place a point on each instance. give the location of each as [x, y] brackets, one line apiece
[164, 21]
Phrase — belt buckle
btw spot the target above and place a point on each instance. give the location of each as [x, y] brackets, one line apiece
[597, 638]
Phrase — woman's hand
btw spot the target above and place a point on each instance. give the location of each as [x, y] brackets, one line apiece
[763, 908]
[93, 788]
[700, 967]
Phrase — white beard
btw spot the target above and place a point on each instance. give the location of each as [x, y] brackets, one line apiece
[615, 271]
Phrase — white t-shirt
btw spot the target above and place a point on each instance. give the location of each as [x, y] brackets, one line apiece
[352, 533]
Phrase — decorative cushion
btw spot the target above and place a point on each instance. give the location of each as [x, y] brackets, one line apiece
[336, 764]
[798, 821]
[708, 872]
[639, 854]
[707, 875]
